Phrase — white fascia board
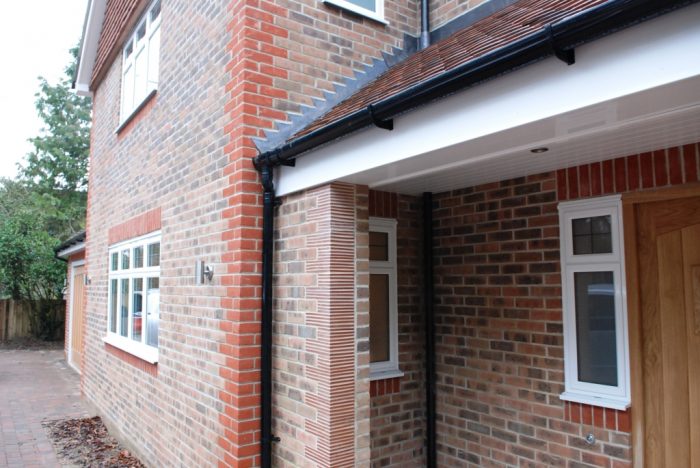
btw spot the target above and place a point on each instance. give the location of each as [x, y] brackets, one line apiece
[67, 252]
[88, 45]
[648, 56]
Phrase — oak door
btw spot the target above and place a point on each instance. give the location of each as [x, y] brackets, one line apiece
[669, 279]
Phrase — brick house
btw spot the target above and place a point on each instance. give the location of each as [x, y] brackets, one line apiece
[381, 233]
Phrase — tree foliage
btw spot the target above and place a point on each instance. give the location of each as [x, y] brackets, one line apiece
[46, 203]
[56, 169]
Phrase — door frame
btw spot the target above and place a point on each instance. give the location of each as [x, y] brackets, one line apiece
[73, 266]
[630, 201]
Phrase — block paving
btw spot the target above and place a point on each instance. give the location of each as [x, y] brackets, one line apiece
[35, 385]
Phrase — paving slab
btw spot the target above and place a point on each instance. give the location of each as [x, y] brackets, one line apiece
[35, 385]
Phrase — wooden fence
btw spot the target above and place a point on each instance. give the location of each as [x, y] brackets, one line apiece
[16, 320]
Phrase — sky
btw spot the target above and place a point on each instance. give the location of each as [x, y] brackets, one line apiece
[35, 37]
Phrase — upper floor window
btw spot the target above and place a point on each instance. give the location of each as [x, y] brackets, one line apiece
[134, 296]
[596, 360]
[373, 9]
[383, 321]
[140, 61]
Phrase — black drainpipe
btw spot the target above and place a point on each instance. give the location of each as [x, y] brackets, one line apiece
[267, 438]
[424, 23]
[428, 291]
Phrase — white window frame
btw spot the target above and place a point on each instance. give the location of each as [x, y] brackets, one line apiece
[376, 15]
[140, 349]
[387, 369]
[150, 46]
[615, 397]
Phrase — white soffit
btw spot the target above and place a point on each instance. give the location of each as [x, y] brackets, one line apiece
[635, 90]
[88, 45]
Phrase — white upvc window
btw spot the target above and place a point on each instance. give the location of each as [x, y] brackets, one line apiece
[373, 9]
[140, 61]
[596, 357]
[383, 310]
[134, 296]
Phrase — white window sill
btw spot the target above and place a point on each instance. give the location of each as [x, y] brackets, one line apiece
[357, 10]
[384, 374]
[606, 402]
[136, 110]
[140, 350]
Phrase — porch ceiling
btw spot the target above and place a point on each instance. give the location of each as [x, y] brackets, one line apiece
[634, 91]
[612, 129]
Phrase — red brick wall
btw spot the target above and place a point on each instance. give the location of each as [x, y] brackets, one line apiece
[499, 317]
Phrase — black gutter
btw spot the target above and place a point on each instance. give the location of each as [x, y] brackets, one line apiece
[424, 23]
[558, 39]
[267, 438]
[429, 316]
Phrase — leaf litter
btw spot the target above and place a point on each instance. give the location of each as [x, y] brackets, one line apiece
[86, 443]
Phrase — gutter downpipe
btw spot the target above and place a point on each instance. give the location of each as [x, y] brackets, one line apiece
[429, 299]
[267, 438]
[425, 23]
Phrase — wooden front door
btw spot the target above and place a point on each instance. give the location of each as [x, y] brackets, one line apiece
[668, 268]
[76, 317]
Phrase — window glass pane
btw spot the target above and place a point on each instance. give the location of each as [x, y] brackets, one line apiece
[115, 261]
[137, 305]
[152, 311]
[138, 257]
[379, 329]
[378, 246]
[141, 32]
[154, 254]
[129, 49]
[367, 4]
[592, 235]
[594, 293]
[113, 295]
[125, 259]
[155, 11]
[124, 308]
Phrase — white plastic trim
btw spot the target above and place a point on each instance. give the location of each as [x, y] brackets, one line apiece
[141, 351]
[612, 403]
[377, 15]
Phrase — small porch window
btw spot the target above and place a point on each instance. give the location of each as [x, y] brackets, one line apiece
[383, 328]
[596, 360]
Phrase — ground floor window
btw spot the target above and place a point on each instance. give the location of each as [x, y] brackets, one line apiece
[134, 296]
[595, 318]
[383, 334]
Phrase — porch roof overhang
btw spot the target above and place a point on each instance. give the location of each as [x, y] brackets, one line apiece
[75, 244]
[629, 92]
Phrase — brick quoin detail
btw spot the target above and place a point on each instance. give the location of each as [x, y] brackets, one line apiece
[135, 227]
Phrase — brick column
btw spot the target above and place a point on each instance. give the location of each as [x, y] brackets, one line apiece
[321, 357]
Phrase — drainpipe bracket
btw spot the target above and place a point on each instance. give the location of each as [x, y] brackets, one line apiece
[568, 56]
[387, 124]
